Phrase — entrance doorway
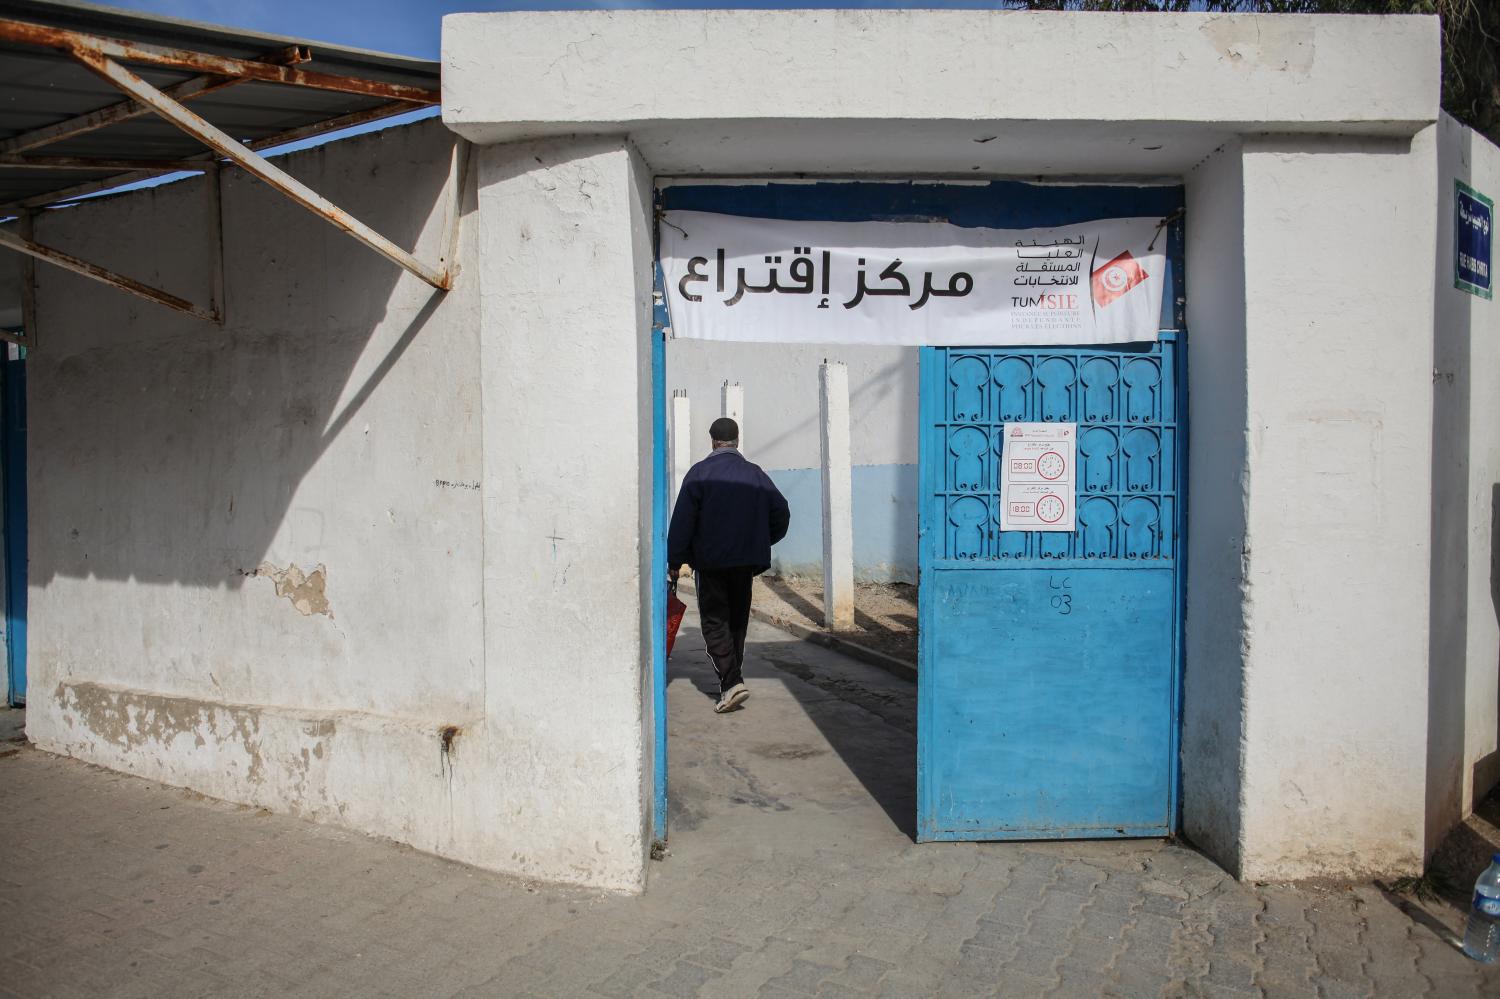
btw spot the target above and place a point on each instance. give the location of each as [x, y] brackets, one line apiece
[1091, 692]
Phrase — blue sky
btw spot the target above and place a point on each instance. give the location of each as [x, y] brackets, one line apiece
[411, 27]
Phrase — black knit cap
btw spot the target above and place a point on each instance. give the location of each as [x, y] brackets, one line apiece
[724, 430]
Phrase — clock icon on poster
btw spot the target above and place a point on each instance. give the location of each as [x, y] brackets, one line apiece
[1050, 509]
[1051, 465]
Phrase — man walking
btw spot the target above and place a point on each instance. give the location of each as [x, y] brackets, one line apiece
[728, 515]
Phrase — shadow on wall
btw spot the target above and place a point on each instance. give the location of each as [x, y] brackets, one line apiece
[783, 429]
[884, 520]
[1487, 768]
[891, 379]
[1448, 608]
[1466, 846]
[165, 450]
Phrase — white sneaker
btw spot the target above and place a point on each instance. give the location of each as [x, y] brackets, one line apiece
[732, 698]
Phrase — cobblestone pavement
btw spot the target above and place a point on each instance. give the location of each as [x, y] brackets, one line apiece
[791, 874]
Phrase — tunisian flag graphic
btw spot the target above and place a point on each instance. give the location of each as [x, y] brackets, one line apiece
[1116, 278]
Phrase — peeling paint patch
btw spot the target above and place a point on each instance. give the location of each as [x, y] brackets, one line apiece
[308, 591]
[1285, 45]
[131, 720]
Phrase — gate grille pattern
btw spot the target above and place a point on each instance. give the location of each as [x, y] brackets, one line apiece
[1124, 402]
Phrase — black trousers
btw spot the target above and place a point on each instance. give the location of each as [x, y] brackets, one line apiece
[724, 616]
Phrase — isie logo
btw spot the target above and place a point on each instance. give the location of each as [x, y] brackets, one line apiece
[1116, 278]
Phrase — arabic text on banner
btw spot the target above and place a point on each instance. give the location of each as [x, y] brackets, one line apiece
[912, 283]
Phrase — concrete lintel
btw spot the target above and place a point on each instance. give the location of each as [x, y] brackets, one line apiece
[629, 71]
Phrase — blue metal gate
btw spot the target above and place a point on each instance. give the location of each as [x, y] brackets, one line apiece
[1048, 676]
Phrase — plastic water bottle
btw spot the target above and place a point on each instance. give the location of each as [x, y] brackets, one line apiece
[1482, 938]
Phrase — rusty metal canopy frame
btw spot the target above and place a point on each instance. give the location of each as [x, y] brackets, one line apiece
[93, 98]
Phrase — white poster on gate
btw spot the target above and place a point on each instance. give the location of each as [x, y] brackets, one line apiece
[1037, 482]
[912, 283]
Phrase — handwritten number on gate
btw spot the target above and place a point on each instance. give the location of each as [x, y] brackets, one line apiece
[1062, 601]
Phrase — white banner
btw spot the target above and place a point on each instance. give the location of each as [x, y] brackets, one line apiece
[912, 283]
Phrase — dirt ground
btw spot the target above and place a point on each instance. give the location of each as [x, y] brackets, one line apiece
[885, 614]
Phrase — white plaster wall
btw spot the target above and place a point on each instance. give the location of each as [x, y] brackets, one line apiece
[781, 427]
[338, 421]
[565, 256]
[484, 565]
[781, 397]
[639, 202]
[334, 421]
[1452, 391]
[1310, 759]
[1462, 760]
[1337, 542]
[1213, 691]
[591, 70]
[1481, 768]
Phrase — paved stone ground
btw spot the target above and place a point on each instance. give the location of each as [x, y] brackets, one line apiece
[791, 874]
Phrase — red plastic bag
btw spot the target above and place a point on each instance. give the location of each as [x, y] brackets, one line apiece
[675, 609]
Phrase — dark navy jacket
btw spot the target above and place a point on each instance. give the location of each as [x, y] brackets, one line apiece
[728, 515]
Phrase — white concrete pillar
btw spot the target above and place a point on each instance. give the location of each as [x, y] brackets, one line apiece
[1213, 687]
[838, 497]
[1307, 623]
[733, 406]
[682, 440]
[566, 260]
[1308, 631]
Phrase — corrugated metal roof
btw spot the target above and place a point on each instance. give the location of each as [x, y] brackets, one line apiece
[40, 87]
